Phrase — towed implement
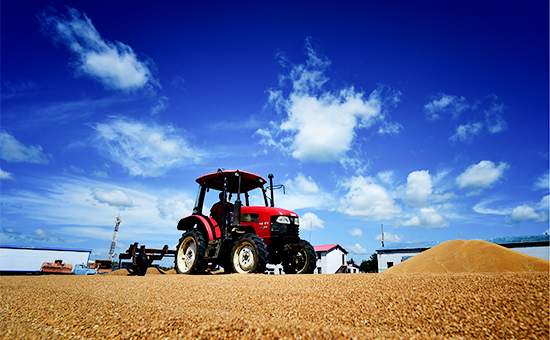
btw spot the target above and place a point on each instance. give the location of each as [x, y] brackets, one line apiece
[142, 258]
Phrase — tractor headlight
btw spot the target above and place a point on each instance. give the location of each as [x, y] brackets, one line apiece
[283, 220]
[297, 220]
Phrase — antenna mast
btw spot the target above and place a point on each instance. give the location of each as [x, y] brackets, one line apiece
[382, 235]
[113, 242]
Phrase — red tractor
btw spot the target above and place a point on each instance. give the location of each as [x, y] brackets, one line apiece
[240, 237]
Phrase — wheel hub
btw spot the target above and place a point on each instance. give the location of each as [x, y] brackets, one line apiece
[246, 258]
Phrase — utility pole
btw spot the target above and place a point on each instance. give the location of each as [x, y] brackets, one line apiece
[113, 242]
[382, 235]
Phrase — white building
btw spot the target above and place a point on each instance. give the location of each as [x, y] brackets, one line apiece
[332, 259]
[20, 260]
[536, 246]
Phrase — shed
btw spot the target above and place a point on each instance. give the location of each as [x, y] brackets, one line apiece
[24, 260]
[394, 253]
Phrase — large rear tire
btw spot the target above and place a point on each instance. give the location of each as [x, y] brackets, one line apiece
[189, 257]
[303, 261]
[249, 255]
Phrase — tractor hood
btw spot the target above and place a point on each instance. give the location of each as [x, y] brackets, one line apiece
[268, 210]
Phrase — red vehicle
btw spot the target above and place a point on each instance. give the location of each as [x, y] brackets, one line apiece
[243, 238]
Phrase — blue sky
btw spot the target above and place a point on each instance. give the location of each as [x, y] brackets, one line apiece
[428, 117]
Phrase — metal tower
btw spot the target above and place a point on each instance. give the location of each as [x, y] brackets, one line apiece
[113, 242]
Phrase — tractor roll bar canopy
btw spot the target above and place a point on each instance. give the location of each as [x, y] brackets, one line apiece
[249, 181]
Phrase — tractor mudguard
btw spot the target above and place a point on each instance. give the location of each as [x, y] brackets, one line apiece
[208, 224]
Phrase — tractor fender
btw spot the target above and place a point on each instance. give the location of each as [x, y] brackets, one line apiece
[207, 225]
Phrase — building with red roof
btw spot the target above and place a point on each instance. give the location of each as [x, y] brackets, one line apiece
[332, 259]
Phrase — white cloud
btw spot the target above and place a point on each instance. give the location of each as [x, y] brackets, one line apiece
[161, 105]
[390, 237]
[302, 192]
[100, 174]
[429, 219]
[144, 150]
[482, 208]
[112, 63]
[493, 117]
[386, 177]
[526, 213]
[114, 198]
[4, 175]
[466, 133]
[366, 199]
[69, 204]
[175, 210]
[445, 104]
[38, 235]
[13, 151]
[320, 125]
[356, 249]
[356, 232]
[543, 182]
[419, 188]
[481, 175]
[310, 221]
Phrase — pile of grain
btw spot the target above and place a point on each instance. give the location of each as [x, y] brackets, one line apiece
[344, 306]
[470, 257]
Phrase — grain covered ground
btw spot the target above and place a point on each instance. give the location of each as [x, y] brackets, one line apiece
[513, 305]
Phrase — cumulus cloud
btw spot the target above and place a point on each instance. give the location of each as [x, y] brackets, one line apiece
[310, 221]
[445, 104]
[356, 232]
[114, 64]
[13, 151]
[368, 200]
[419, 188]
[466, 133]
[114, 198]
[174, 210]
[320, 126]
[543, 182]
[429, 219]
[526, 213]
[481, 175]
[390, 237]
[356, 249]
[142, 149]
[303, 192]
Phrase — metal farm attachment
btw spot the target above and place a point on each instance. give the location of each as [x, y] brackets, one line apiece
[142, 258]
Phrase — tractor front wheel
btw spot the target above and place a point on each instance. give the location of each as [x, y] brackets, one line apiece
[302, 261]
[190, 253]
[249, 255]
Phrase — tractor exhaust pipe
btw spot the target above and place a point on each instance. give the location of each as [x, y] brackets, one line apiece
[238, 203]
[271, 188]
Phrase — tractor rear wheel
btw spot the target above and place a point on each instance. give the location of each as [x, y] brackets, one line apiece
[249, 255]
[303, 261]
[189, 257]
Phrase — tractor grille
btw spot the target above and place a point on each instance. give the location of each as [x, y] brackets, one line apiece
[285, 229]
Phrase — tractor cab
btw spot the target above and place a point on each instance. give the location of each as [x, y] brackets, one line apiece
[229, 183]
